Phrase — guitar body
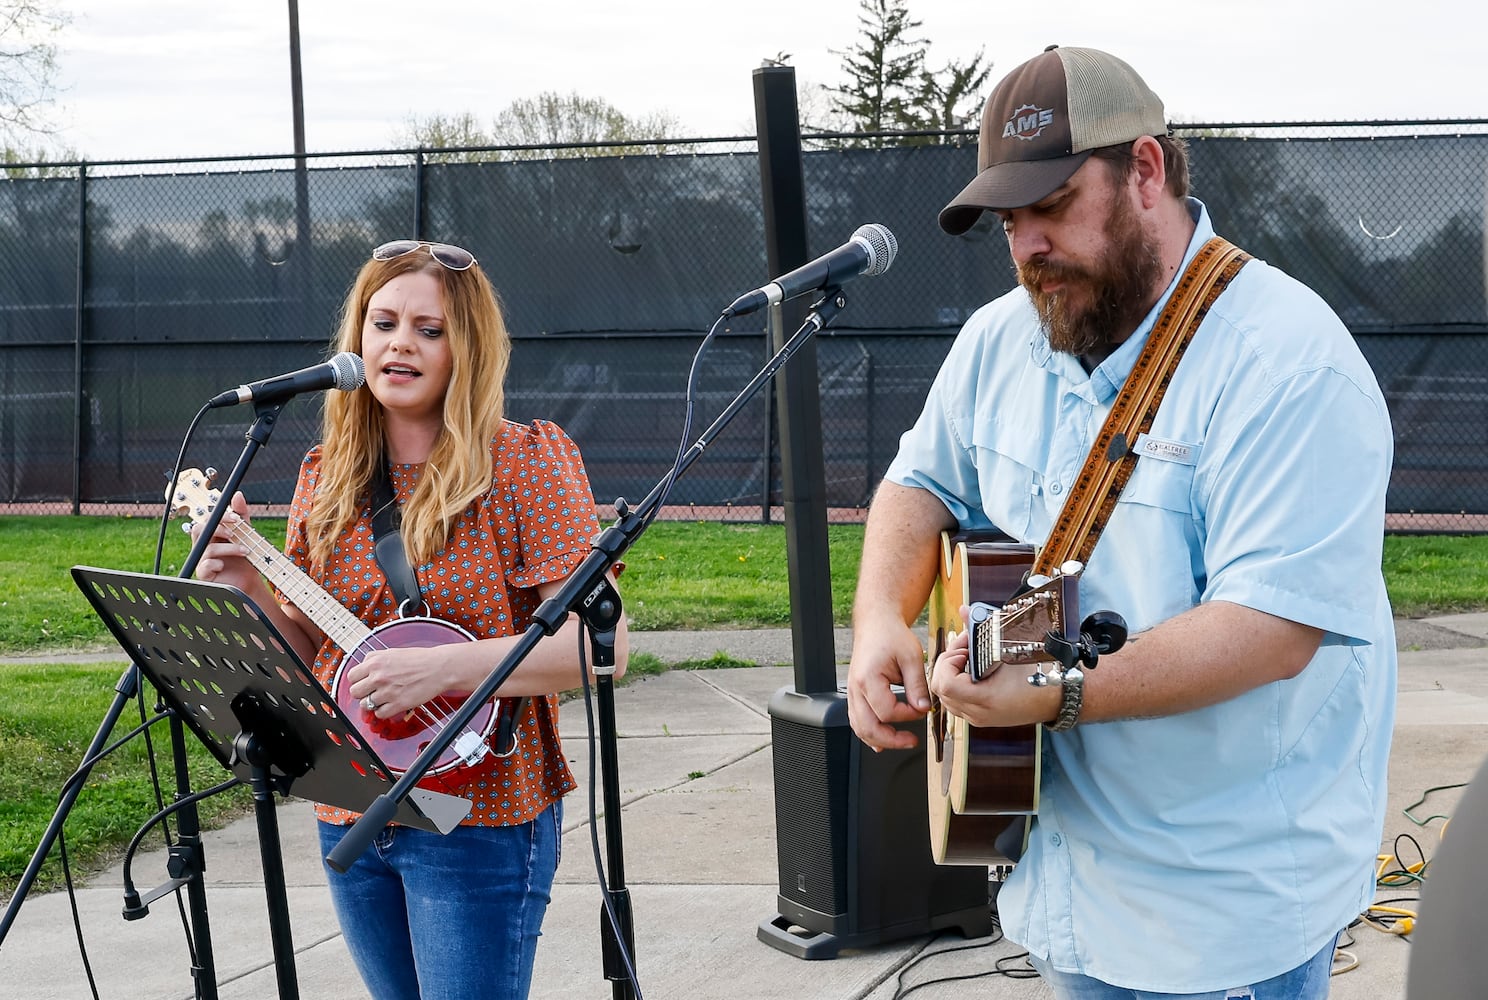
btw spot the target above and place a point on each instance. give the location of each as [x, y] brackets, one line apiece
[983, 781]
[398, 742]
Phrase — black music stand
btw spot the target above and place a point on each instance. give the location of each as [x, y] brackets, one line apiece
[229, 675]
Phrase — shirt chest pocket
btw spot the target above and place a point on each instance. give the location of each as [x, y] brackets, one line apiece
[1158, 526]
[1164, 485]
[1007, 478]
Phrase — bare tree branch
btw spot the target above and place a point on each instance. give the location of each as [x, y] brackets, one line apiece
[547, 120]
[28, 66]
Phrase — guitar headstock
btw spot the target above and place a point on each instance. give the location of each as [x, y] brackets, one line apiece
[193, 496]
[1015, 632]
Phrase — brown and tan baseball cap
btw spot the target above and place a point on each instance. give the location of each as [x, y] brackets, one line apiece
[1042, 122]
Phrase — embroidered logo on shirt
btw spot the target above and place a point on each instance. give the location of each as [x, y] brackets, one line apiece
[1166, 451]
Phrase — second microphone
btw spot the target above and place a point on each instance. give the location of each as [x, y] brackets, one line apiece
[870, 251]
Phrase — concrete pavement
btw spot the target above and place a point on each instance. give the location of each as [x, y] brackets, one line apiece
[697, 784]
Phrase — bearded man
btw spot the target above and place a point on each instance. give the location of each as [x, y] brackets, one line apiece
[1212, 795]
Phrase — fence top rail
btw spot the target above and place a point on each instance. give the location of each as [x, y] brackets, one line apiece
[956, 135]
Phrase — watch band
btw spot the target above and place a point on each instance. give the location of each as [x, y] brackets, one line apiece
[1073, 689]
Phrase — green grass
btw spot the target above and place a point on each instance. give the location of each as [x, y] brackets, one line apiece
[49, 715]
[1436, 574]
[679, 575]
[40, 606]
[698, 575]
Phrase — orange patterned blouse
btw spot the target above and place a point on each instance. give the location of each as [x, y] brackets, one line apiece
[534, 526]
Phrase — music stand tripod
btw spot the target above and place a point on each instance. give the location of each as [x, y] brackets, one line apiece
[229, 675]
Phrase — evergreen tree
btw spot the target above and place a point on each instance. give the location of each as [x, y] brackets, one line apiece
[953, 99]
[889, 87]
[884, 70]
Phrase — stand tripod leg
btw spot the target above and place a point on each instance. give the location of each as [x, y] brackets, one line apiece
[614, 963]
[188, 830]
[271, 856]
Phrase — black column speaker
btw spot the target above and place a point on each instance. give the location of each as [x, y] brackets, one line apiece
[852, 833]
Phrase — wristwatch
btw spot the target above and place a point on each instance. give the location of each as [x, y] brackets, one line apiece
[1073, 687]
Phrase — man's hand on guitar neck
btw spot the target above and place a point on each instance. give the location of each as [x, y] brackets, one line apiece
[1001, 698]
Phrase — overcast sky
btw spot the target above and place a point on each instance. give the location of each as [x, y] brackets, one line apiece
[167, 78]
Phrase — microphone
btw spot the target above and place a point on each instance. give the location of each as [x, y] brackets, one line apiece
[870, 251]
[345, 372]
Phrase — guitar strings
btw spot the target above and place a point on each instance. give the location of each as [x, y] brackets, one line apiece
[438, 711]
[987, 638]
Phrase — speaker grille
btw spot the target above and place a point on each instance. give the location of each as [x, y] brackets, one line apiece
[811, 814]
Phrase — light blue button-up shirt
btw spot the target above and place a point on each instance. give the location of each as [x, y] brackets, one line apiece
[1225, 845]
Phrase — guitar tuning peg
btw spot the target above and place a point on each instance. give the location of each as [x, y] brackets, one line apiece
[1072, 567]
[1036, 580]
[1105, 629]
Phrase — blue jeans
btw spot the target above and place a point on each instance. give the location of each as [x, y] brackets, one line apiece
[1308, 981]
[443, 917]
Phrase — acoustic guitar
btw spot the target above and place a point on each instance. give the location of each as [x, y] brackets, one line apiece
[397, 741]
[983, 781]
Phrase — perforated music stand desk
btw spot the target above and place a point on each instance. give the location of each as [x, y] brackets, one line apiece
[229, 675]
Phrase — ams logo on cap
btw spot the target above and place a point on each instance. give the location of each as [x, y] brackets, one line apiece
[1028, 122]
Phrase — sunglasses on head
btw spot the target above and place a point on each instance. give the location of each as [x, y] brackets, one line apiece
[452, 257]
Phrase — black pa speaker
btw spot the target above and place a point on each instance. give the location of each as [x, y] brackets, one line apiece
[852, 830]
[1447, 961]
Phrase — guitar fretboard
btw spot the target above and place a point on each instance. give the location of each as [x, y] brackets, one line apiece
[340, 625]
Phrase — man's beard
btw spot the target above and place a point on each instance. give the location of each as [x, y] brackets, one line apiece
[1119, 287]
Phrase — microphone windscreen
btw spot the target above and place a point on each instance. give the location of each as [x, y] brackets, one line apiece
[351, 373]
[882, 247]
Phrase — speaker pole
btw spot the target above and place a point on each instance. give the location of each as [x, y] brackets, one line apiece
[802, 468]
[851, 827]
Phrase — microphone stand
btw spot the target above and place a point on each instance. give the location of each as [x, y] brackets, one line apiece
[265, 415]
[588, 593]
[186, 863]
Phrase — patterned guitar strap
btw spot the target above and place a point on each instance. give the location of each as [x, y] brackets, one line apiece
[387, 549]
[1113, 456]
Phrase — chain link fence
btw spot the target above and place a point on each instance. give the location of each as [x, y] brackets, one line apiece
[130, 293]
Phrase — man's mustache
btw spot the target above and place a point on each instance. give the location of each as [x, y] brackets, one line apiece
[1034, 273]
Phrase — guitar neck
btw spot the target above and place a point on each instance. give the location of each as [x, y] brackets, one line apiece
[342, 627]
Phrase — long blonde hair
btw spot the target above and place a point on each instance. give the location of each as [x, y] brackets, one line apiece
[353, 437]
